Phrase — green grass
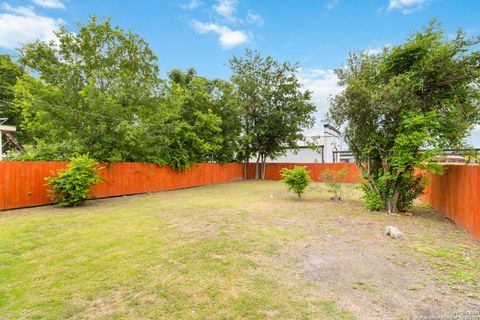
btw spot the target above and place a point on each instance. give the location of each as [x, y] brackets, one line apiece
[451, 260]
[331, 311]
[366, 287]
[203, 253]
[453, 255]
[233, 251]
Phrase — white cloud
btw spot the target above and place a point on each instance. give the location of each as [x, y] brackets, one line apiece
[323, 84]
[191, 5]
[332, 4]
[225, 21]
[226, 9]
[20, 25]
[227, 37]
[378, 50]
[51, 4]
[374, 51]
[254, 18]
[406, 6]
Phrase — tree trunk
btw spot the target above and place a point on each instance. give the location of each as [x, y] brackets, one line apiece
[245, 169]
[257, 167]
[396, 196]
[394, 202]
[264, 159]
[247, 152]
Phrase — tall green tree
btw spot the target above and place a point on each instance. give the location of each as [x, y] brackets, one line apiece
[276, 109]
[208, 112]
[403, 105]
[93, 89]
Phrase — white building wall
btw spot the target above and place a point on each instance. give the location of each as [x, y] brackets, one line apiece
[332, 141]
[304, 155]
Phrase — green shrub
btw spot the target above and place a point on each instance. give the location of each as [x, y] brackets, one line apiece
[332, 180]
[412, 187]
[372, 200]
[72, 185]
[296, 179]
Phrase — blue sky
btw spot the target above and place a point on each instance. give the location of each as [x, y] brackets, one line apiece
[203, 34]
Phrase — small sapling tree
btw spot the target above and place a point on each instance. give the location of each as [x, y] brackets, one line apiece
[296, 179]
[72, 185]
[333, 181]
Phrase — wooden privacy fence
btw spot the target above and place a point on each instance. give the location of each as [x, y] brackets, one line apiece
[272, 170]
[22, 184]
[456, 194]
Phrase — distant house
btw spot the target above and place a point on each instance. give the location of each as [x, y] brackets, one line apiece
[325, 148]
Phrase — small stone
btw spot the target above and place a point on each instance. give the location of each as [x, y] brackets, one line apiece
[394, 232]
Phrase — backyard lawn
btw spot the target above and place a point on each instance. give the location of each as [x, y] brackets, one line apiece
[245, 250]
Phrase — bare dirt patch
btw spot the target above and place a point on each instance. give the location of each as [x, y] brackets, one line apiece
[349, 260]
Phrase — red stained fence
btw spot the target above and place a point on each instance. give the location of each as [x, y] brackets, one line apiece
[272, 171]
[22, 184]
[456, 194]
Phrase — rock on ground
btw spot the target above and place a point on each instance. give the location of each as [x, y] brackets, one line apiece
[394, 232]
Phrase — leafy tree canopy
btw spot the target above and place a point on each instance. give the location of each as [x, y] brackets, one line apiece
[92, 91]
